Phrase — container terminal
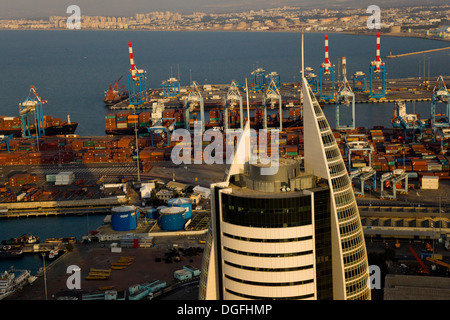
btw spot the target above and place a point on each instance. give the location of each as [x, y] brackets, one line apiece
[400, 174]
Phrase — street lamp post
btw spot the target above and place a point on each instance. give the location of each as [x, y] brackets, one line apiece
[45, 276]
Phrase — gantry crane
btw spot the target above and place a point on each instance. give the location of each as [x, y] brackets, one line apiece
[259, 79]
[137, 87]
[275, 77]
[272, 96]
[171, 87]
[32, 104]
[398, 175]
[359, 81]
[364, 174]
[377, 75]
[345, 96]
[311, 77]
[354, 144]
[326, 77]
[440, 94]
[232, 98]
[194, 99]
[4, 138]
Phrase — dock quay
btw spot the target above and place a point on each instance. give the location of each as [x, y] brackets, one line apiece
[42, 247]
[54, 208]
[408, 89]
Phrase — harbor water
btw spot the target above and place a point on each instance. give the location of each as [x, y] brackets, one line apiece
[44, 227]
[72, 69]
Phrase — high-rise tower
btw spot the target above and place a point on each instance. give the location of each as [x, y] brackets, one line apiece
[293, 234]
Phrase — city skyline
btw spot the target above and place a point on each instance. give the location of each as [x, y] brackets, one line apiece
[45, 8]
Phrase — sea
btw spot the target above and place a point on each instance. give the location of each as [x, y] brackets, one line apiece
[73, 68]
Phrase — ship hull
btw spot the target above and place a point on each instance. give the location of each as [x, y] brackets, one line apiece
[11, 255]
[50, 131]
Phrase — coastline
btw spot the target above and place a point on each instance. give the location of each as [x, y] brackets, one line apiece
[356, 33]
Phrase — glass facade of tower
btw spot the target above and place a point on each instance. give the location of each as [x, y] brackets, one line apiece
[350, 231]
[266, 212]
[283, 256]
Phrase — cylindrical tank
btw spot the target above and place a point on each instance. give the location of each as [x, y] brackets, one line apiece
[182, 203]
[172, 218]
[151, 213]
[124, 218]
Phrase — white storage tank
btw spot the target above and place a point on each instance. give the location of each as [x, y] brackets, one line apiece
[182, 203]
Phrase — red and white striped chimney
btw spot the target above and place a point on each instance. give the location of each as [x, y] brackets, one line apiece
[327, 60]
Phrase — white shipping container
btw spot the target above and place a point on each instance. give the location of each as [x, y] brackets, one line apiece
[430, 182]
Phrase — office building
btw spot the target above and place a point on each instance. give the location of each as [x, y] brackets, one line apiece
[294, 234]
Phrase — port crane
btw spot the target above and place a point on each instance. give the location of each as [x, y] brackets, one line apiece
[233, 98]
[137, 87]
[377, 75]
[354, 144]
[32, 104]
[194, 99]
[345, 96]
[157, 127]
[440, 94]
[311, 78]
[171, 87]
[326, 77]
[359, 81]
[259, 79]
[272, 96]
[275, 77]
[393, 178]
[5, 139]
[364, 174]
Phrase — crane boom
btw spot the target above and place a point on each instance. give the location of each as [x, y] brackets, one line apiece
[424, 267]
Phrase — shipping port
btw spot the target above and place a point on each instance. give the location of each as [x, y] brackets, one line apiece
[400, 174]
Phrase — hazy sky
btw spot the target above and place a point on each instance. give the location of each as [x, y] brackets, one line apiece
[45, 8]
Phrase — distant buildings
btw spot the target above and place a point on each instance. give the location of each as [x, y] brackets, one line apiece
[412, 19]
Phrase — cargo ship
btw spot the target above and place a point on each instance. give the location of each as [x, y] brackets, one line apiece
[115, 94]
[52, 126]
[404, 120]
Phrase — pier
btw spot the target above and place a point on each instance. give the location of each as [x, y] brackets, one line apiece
[408, 89]
[392, 56]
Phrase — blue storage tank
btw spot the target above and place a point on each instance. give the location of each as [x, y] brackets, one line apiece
[124, 218]
[172, 218]
[182, 203]
[151, 213]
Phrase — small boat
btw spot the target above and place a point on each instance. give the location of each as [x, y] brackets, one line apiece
[23, 239]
